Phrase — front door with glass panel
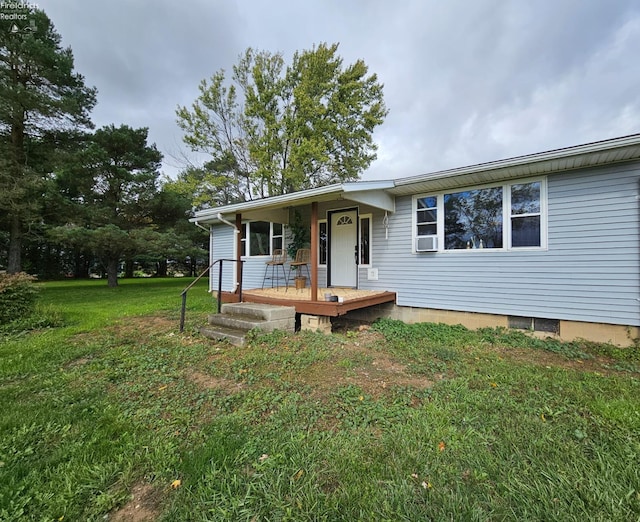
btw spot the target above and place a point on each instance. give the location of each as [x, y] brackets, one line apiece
[343, 239]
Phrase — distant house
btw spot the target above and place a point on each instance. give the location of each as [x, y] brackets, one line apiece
[548, 242]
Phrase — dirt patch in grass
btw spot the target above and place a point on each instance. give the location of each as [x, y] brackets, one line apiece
[144, 506]
[80, 361]
[595, 364]
[145, 325]
[376, 374]
[359, 361]
[211, 382]
[133, 327]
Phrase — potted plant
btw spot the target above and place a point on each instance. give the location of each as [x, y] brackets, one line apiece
[299, 239]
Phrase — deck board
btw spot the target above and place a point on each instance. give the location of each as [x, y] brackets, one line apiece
[353, 299]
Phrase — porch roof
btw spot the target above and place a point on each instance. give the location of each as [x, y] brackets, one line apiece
[372, 193]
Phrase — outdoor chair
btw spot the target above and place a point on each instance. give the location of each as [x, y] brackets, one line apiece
[302, 260]
[279, 258]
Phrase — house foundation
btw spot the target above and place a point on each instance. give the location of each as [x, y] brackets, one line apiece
[315, 323]
[619, 335]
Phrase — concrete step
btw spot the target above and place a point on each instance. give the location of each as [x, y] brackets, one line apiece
[236, 319]
[259, 311]
[248, 322]
[220, 333]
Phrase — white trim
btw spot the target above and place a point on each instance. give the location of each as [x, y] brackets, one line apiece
[508, 216]
[605, 152]
[357, 190]
[271, 236]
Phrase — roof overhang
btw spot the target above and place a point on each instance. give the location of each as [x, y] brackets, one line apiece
[373, 193]
[381, 194]
[595, 154]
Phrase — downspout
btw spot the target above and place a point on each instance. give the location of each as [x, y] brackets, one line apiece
[200, 226]
[220, 218]
[210, 232]
[237, 231]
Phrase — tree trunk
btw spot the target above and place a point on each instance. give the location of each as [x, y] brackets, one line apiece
[81, 266]
[112, 272]
[14, 263]
[128, 268]
[161, 268]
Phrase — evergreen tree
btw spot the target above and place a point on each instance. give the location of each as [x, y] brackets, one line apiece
[116, 179]
[41, 99]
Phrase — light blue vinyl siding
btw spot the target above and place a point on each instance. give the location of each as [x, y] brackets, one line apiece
[253, 267]
[222, 247]
[590, 271]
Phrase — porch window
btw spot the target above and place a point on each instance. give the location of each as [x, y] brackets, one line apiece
[277, 236]
[498, 217]
[322, 242]
[365, 240]
[259, 238]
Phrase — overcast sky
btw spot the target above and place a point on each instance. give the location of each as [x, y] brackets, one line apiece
[465, 81]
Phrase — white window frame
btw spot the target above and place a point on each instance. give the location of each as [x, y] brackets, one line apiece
[506, 217]
[271, 237]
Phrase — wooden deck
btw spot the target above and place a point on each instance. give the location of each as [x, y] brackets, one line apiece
[352, 299]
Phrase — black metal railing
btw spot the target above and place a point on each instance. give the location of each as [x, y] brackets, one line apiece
[183, 310]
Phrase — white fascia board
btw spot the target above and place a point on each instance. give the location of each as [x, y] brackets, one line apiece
[210, 215]
[375, 198]
[372, 193]
[513, 164]
[369, 192]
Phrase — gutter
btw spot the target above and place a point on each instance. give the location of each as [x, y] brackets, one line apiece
[200, 226]
[220, 218]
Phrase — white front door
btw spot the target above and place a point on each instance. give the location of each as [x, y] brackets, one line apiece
[343, 237]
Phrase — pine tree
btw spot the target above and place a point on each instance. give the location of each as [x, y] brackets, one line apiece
[41, 99]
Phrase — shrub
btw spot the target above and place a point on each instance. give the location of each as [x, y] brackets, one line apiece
[18, 296]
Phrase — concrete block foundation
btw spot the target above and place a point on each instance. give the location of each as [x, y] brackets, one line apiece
[315, 323]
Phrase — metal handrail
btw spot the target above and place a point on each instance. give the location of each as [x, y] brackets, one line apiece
[183, 310]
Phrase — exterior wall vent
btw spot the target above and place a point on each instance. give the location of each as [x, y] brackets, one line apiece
[534, 324]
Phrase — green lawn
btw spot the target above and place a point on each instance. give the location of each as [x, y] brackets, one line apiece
[114, 415]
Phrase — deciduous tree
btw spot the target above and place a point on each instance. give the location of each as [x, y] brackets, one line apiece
[276, 128]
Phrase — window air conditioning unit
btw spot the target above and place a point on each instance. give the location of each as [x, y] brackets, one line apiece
[427, 244]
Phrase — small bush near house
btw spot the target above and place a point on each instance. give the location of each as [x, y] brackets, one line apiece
[18, 296]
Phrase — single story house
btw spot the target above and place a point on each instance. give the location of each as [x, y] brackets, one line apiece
[549, 242]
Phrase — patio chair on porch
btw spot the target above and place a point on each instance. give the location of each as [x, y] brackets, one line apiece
[279, 258]
[302, 259]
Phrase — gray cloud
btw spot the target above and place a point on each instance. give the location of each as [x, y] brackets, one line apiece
[465, 82]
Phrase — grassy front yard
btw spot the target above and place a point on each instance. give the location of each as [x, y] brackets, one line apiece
[113, 413]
